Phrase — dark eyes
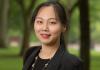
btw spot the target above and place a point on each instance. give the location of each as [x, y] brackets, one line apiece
[52, 22]
[39, 22]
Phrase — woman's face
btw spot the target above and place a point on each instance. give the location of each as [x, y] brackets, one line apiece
[47, 27]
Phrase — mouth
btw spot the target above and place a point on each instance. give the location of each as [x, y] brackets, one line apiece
[45, 36]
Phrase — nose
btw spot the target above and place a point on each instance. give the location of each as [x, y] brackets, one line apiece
[45, 27]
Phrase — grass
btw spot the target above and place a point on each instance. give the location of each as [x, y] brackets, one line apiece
[94, 58]
[9, 59]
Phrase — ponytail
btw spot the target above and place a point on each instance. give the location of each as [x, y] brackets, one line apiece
[62, 41]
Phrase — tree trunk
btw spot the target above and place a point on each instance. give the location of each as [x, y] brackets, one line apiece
[26, 34]
[4, 8]
[85, 33]
[27, 13]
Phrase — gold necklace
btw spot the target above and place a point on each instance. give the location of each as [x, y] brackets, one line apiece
[45, 66]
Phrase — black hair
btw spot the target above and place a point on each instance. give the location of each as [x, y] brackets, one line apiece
[60, 13]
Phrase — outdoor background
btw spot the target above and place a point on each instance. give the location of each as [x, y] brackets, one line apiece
[16, 34]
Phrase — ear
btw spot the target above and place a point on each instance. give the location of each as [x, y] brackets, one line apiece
[64, 29]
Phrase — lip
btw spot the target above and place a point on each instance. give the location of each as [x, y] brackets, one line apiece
[45, 36]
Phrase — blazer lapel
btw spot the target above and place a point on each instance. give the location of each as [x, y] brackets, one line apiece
[54, 63]
[30, 60]
[56, 60]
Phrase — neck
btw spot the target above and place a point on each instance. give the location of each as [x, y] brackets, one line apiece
[48, 51]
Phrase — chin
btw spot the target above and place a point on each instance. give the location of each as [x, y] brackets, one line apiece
[45, 42]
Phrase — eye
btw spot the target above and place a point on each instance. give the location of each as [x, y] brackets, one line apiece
[53, 22]
[38, 22]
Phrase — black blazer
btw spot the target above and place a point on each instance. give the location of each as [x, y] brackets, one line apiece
[62, 60]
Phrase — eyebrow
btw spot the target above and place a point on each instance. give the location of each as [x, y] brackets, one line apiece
[42, 18]
[39, 18]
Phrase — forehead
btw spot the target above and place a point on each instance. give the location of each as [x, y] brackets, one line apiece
[46, 12]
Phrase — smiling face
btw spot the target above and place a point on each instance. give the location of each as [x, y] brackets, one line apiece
[47, 26]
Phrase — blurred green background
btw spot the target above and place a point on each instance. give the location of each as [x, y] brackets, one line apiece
[13, 21]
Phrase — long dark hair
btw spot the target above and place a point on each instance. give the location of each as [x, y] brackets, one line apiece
[60, 13]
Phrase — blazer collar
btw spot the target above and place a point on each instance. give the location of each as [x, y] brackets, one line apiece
[31, 59]
[54, 62]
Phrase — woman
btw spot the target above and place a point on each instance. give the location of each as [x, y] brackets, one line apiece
[50, 23]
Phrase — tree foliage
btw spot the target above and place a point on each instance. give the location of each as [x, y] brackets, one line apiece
[16, 21]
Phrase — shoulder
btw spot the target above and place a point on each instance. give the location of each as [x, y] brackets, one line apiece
[70, 58]
[29, 51]
[70, 61]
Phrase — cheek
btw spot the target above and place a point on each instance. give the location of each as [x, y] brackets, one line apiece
[36, 28]
[56, 31]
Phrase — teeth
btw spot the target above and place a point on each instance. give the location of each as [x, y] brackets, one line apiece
[45, 34]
